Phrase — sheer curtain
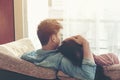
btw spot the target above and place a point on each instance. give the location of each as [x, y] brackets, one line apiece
[97, 20]
[37, 10]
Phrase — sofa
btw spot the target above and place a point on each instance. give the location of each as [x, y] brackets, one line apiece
[10, 60]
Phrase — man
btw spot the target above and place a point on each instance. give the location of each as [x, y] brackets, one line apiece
[49, 35]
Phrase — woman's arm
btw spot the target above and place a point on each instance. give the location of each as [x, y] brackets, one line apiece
[87, 52]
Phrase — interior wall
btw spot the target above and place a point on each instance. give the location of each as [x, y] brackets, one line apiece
[7, 33]
[18, 19]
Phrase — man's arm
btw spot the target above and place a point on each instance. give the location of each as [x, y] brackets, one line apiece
[29, 56]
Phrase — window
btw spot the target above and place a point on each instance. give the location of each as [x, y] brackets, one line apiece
[97, 21]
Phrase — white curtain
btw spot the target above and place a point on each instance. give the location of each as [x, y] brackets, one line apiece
[97, 20]
[35, 14]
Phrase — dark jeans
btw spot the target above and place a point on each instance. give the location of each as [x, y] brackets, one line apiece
[8, 75]
[99, 75]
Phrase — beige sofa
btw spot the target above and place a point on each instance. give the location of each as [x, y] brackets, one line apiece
[10, 60]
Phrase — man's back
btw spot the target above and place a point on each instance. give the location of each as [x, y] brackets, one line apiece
[50, 59]
[55, 60]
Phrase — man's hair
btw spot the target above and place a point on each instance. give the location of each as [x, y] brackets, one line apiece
[72, 51]
[46, 28]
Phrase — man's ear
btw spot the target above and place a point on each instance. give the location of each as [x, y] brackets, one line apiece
[53, 38]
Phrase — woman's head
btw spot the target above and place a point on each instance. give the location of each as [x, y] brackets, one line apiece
[72, 51]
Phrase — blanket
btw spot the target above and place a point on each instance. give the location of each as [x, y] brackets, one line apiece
[106, 59]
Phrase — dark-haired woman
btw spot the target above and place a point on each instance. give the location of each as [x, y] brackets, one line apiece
[73, 49]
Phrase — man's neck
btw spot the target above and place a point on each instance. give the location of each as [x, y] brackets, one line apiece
[47, 47]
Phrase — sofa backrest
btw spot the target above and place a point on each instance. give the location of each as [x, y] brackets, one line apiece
[17, 48]
[9, 60]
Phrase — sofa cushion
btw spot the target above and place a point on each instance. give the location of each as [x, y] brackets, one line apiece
[17, 48]
[63, 76]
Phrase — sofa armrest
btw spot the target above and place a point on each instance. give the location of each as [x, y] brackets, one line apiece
[21, 66]
[112, 67]
[113, 71]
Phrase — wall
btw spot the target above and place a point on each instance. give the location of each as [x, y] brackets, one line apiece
[7, 33]
[18, 19]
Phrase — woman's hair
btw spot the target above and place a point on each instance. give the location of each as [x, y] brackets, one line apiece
[72, 51]
[46, 28]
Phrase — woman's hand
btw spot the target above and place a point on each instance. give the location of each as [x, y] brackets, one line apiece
[78, 39]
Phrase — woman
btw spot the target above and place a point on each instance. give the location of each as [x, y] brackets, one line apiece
[86, 63]
[75, 53]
